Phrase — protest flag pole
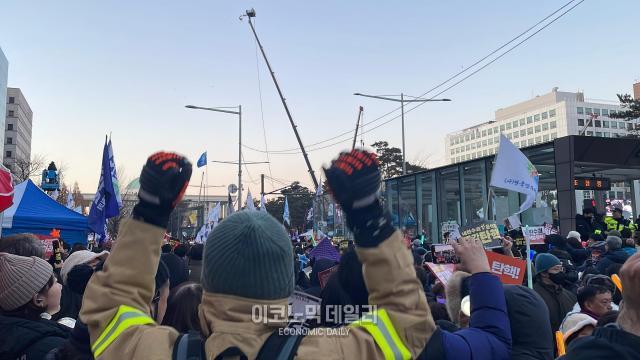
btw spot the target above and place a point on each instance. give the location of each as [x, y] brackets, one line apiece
[529, 273]
[486, 207]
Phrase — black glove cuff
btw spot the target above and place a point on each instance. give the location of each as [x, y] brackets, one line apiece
[370, 225]
[151, 214]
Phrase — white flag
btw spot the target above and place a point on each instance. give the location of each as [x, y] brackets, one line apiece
[214, 214]
[319, 189]
[54, 195]
[250, 205]
[70, 203]
[513, 171]
[263, 204]
[285, 214]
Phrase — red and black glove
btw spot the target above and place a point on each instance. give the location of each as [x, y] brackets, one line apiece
[163, 182]
[354, 181]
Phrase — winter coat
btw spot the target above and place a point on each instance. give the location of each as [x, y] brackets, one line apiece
[611, 257]
[559, 302]
[195, 270]
[116, 307]
[608, 342]
[530, 326]
[489, 334]
[28, 339]
[587, 227]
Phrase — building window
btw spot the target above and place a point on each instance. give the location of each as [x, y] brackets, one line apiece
[468, 147]
[508, 126]
[453, 151]
[522, 122]
[501, 128]
[538, 129]
[605, 112]
[554, 136]
[523, 132]
[580, 110]
[484, 152]
[529, 119]
[515, 123]
[451, 142]
[544, 115]
[598, 134]
[466, 137]
[516, 135]
[9, 126]
[473, 136]
[545, 137]
[588, 111]
[597, 123]
[496, 139]
[484, 142]
[614, 124]
[611, 112]
[11, 113]
[536, 117]
[12, 100]
[8, 154]
[484, 133]
[530, 142]
[552, 124]
[530, 131]
[580, 122]
[606, 134]
[552, 113]
[495, 130]
[589, 133]
[545, 127]
[629, 126]
[489, 131]
[596, 111]
[9, 141]
[490, 141]
[621, 125]
[605, 124]
[509, 136]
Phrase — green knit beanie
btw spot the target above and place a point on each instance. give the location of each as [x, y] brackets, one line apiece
[249, 255]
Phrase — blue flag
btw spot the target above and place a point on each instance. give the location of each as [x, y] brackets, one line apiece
[285, 215]
[106, 203]
[202, 161]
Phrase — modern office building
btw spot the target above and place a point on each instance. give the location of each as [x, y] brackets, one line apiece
[428, 201]
[17, 129]
[636, 90]
[4, 75]
[536, 121]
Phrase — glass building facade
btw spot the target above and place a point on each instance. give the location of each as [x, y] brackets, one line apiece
[420, 203]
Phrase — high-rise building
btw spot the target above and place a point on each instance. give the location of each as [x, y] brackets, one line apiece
[4, 74]
[17, 129]
[636, 90]
[535, 121]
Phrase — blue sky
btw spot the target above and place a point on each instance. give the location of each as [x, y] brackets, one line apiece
[89, 68]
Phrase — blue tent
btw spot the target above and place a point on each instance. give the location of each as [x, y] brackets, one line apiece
[33, 211]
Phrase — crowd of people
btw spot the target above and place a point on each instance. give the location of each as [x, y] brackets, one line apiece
[144, 299]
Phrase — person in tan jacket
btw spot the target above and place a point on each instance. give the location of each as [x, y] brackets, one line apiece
[248, 266]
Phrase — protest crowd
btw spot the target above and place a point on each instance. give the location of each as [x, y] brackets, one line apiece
[379, 297]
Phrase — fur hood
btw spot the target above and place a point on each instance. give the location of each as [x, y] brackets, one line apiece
[456, 289]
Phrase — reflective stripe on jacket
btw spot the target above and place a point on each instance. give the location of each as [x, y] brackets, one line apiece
[381, 328]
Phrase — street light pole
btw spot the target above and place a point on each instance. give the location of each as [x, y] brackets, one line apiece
[239, 113]
[401, 101]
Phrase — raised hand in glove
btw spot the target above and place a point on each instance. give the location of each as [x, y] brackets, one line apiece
[354, 181]
[163, 182]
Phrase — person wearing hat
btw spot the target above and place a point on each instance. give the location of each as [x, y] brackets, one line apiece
[588, 222]
[29, 295]
[248, 266]
[549, 277]
[577, 325]
[617, 221]
[613, 254]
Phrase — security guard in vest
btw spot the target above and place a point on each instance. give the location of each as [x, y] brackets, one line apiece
[618, 222]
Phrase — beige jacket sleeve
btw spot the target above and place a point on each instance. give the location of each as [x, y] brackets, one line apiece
[128, 278]
[393, 286]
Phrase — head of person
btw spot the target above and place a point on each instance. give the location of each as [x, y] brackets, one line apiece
[588, 213]
[178, 270]
[530, 326]
[249, 241]
[556, 241]
[630, 243]
[180, 250]
[549, 269]
[446, 236]
[77, 247]
[166, 248]
[595, 300]
[160, 293]
[28, 287]
[81, 257]
[22, 245]
[595, 238]
[613, 243]
[617, 213]
[573, 235]
[577, 325]
[351, 278]
[182, 307]
[195, 252]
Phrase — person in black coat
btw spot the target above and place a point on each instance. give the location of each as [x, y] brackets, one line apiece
[588, 223]
[614, 254]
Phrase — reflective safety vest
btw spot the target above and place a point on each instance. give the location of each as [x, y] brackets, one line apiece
[613, 224]
[381, 329]
[125, 318]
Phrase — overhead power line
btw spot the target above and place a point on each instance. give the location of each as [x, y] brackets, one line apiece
[294, 151]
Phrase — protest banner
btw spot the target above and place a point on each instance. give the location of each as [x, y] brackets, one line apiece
[510, 270]
[485, 231]
[442, 271]
[536, 234]
[324, 275]
[302, 307]
[452, 228]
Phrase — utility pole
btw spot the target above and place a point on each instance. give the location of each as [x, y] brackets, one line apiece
[261, 184]
[355, 135]
[250, 14]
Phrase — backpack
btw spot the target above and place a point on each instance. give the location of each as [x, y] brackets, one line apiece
[190, 346]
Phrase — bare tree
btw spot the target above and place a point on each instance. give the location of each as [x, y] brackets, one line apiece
[24, 169]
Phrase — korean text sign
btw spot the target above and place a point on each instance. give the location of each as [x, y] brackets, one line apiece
[510, 270]
[486, 231]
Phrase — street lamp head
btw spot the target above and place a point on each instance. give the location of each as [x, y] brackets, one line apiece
[446, 100]
[190, 107]
[357, 94]
[251, 13]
